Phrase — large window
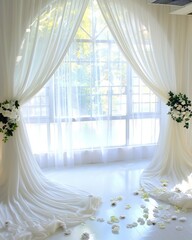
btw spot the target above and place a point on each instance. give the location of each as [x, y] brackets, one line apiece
[95, 97]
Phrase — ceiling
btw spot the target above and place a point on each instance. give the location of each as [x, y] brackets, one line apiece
[173, 2]
[181, 7]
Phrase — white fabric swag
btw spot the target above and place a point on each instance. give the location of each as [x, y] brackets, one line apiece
[31, 207]
[158, 45]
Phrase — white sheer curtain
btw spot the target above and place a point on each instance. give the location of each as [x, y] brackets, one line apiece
[34, 37]
[94, 108]
[158, 45]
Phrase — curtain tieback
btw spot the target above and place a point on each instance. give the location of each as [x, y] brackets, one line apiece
[180, 108]
[9, 117]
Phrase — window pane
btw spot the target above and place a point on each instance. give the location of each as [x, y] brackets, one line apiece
[96, 94]
[143, 131]
[92, 134]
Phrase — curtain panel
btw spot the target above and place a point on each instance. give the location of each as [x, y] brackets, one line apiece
[95, 108]
[157, 44]
[31, 207]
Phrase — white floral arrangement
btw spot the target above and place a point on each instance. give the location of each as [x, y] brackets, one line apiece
[180, 108]
[8, 118]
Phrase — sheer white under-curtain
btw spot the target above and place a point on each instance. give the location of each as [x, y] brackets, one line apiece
[31, 207]
[158, 45]
[94, 109]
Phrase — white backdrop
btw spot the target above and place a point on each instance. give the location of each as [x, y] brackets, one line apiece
[158, 46]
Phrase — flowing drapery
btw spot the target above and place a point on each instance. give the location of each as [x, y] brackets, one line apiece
[94, 108]
[35, 36]
[157, 44]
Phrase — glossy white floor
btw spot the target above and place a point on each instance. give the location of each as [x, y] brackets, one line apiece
[121, 180]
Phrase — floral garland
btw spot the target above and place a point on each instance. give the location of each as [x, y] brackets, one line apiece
[180, 108]
[8, 118]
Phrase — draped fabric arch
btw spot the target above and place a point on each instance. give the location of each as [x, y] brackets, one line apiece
[34, 37]
[158, 45]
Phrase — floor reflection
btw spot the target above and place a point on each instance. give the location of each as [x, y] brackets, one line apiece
[121, 181]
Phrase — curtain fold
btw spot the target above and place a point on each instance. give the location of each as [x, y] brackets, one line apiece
[35, 36]
[157, 44]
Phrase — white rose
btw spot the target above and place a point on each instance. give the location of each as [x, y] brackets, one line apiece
[12, 114]
[6, 113]
[187, 114]
[175, 115]
[7, 105]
